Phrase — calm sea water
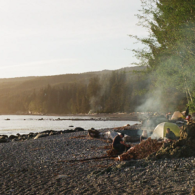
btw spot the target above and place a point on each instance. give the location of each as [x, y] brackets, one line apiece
[25, 124]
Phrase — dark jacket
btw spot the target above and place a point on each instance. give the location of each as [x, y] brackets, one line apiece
[116, 141]
[171, 136]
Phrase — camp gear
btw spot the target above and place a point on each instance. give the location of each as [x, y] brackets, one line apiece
[188, 117]
[177, 115]
[110, 134]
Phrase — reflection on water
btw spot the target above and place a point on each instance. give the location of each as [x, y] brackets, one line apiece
[24, 124]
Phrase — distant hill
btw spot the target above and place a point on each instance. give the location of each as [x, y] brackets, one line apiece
[127, 69]
[70, 93]
[26, 84]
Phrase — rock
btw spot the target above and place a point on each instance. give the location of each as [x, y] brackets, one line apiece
[3, 138]
[30, 135]
[12, 137]
[79, 129]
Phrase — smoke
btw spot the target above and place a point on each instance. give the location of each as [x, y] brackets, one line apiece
[95, 104]
[152, 102]
[95, 101]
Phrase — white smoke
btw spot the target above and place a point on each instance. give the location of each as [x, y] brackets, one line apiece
[152, 102]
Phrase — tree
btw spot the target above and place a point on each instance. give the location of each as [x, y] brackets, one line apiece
[170, 51]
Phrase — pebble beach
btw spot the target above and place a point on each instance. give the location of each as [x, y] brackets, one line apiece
[46, 166]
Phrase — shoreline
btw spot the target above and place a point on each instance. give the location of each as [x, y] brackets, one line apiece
[108, 116]
[40, 166]
[37, 123]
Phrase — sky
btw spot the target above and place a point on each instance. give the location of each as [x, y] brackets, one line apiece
[52, 37]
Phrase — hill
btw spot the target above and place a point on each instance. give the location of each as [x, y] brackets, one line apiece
[25, 84]
[69, 93]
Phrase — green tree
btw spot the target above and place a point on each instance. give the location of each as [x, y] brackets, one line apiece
[170, 51]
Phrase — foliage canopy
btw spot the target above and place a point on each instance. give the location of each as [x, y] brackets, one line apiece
[170, 45]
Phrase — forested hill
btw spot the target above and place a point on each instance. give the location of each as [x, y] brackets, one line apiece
[24, 84]
[102, 91]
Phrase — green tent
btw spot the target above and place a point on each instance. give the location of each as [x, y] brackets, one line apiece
[160, 130]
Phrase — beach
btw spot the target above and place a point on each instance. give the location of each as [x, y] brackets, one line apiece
[43, 166]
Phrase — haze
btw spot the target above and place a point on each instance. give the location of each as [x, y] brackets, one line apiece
[47, 37]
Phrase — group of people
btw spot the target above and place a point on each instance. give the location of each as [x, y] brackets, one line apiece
[119, 145]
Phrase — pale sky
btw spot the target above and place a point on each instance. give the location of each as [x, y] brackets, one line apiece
[52, 37]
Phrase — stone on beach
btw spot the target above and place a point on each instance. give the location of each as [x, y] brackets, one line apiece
[79, 129]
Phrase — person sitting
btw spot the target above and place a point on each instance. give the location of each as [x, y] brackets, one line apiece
[119, 145]
[170, 135]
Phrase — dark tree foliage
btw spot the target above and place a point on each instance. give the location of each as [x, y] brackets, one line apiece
[119, 91]
[115, 92]
[170, 46]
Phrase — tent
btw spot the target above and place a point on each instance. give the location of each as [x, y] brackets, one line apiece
[177, 115]
[160, 130]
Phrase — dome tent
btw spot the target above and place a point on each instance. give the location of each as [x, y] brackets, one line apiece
[177, 115]
[160, 130]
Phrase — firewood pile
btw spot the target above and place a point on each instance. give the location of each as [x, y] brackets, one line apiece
[142, 150]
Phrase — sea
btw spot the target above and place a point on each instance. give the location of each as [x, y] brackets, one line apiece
[24, 124]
